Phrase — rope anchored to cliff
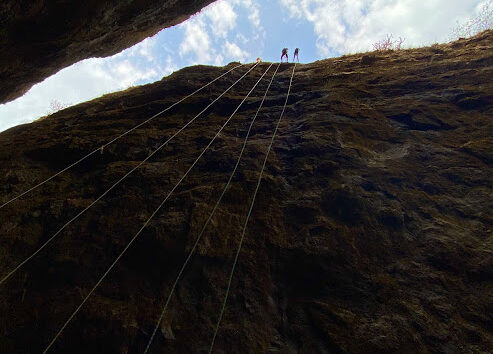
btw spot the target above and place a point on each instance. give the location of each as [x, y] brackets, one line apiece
[248, 216]
[192, 251]
[150, 217]
[120, 180]
[101, 148]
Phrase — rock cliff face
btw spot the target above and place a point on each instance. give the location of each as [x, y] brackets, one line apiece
[40, 37]
[371, 233]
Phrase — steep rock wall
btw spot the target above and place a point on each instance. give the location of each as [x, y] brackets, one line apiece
[372, 230]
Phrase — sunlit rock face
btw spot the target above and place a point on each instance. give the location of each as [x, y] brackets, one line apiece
[371, 232]
[40, 37]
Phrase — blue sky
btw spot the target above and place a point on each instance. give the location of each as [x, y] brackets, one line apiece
[242, 30]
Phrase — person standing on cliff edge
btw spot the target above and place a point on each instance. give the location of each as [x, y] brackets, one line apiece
[296, 51]
[284, 54]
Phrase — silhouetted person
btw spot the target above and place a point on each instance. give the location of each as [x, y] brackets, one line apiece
[285, 54]
[296, 51]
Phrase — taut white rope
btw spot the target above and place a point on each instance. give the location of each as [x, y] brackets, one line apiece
[248, 216]
[190, 254]
[114, 139]
[149, 219]
[118, 182]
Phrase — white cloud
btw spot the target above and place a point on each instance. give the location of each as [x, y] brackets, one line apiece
[241, 38]
[254, 17]
[126, 74]
[234, 52]
[344, 26]
[254, 13]
[222, 17]
[170, 66]
[252, 8]
[219, 60]
[197, 44]
[145, 48]
[293, 6]
[196, 40]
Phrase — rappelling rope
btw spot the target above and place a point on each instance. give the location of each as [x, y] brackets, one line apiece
[101, 148]
[150, 218]
[120, 180]
[210, 216]
[248, 216]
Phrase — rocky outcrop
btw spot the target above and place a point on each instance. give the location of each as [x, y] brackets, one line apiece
[371, 232]
[39, 38]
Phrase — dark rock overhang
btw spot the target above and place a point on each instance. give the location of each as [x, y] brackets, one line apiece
[38, 38]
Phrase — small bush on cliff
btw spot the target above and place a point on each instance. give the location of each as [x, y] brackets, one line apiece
[388, 44]
[480, 23]
[56, 106]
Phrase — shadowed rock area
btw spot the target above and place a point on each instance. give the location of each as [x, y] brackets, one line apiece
[371, 233]
[39, 38]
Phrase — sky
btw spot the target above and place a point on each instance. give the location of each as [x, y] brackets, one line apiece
[242, 30]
